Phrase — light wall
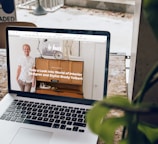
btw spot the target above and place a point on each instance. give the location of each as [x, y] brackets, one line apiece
[136, 26]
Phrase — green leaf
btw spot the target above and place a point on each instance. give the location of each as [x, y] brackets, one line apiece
[124, 141]
[118, 100]
[108, 128]
[150, 132]
[124, 104]
[104, 126]
[95, 116]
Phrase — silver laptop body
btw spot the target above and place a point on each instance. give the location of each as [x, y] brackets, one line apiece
[54, 77]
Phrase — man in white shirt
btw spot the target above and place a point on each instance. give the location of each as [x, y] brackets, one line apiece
[26, 63]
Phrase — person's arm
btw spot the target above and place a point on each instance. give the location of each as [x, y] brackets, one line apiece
[33, 79]
[18, 72]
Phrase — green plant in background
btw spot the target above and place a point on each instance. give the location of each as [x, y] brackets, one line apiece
[137, 132]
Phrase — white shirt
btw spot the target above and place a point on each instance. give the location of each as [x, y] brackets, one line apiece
[26, 63]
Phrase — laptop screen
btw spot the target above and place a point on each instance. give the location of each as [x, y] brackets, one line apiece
[58, 63]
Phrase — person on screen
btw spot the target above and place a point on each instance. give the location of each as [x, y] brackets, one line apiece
[25, 80]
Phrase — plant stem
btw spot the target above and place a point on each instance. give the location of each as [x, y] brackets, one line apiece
[140, 109]
[132, 128]
[147, 84]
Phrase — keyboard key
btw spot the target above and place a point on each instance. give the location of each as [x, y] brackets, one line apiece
[37, 123]
[56, 116]
[51, 120]
[8, 118]
[78, 112]
[79, 124]
[75, 128]
[28, 116]
[73, 111]
[34, 117]
[39, 118]
[45, 119]
[68, 114]
[62, 113]
[19, 120]
[56, 125]
[62, 126]
[63, 122]
[74, 119]
[69, 123]
[74, 115]
[39, 114]
[81, 130]
[23, 116]
[68, 128]
[13, 119]
[45, 115]
[62, 117]
[57, 121]
[67, 110]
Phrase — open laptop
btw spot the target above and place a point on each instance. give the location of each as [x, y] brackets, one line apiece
[54, 77]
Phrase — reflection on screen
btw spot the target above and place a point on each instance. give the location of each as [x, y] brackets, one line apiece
[67, 65]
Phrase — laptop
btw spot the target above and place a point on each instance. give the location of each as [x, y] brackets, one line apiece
[54, 77]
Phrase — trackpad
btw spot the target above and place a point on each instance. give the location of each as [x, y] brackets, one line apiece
[31, 136]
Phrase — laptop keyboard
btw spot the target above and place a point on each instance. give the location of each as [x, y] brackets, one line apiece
[55, 116]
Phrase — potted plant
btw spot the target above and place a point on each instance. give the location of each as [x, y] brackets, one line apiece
[135, 131]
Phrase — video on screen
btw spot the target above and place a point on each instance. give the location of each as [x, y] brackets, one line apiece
[60, 67]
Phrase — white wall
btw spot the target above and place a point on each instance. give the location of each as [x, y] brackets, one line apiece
[136, 26]
[94, 68]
